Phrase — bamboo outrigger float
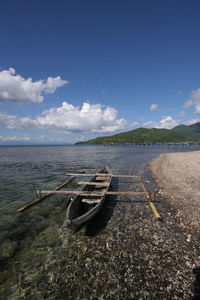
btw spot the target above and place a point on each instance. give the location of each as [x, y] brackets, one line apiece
[90, 199]
[44, 197]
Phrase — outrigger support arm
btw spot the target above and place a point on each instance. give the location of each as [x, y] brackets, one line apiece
[102, 174]
[87, 193]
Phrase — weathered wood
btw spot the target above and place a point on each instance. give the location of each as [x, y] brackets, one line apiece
[154, 209]
[126, 176]
[77, 212]
[88, 175]
[101, 178]
[149, 199]
[102, 174]
[125, 193]
[87, 193]
[147, 194]
[94, 183]
[91, 201]
[44, 197]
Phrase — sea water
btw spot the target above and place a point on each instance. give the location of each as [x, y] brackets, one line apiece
[27, 238]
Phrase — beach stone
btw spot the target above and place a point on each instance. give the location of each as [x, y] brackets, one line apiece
[141, 232]
[7, 249]
[155, 236]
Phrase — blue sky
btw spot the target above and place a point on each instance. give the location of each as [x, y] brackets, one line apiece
[74, 70]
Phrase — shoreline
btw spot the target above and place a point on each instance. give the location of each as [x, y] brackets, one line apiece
[177, 176]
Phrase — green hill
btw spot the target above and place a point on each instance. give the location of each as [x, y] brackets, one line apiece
[140, 136]
[191, 133]
[196, 127]
[178, 134]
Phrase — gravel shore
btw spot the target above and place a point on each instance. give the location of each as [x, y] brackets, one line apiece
[177, 175]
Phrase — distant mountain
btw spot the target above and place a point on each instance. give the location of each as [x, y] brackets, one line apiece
[178, 134]
[191, 132]
[196, 127]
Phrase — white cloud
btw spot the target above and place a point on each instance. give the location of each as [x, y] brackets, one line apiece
[15, 88]
[14, 139]
[90, 118]
[167, 123]
[194, 100]
[153, 107]
[193, 121]
[14, 122]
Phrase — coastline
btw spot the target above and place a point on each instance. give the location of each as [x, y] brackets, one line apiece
[177, 175]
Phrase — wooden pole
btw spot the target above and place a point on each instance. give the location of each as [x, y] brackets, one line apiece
[102, 174]
[149, 198]
[88, 175]
[44, 197]
[126, 176]
[87, 193]
[94, 183]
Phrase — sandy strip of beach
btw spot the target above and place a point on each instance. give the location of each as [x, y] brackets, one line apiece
[178, 177]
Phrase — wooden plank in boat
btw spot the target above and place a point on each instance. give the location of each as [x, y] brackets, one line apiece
[101, 178]
[91, 201]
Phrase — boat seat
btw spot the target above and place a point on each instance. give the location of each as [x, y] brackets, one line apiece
[91, 201]
[101, 178]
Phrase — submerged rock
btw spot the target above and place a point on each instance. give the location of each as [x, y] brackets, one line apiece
[7, 249]
[49, 236]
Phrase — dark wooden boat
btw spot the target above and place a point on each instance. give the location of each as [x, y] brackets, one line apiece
[90, 200]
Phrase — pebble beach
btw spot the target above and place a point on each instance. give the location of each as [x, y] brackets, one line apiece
[177, 175]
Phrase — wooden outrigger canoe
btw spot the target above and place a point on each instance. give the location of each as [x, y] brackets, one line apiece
[90, 199]
[85, 206]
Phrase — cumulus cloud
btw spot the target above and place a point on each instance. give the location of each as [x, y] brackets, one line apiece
[194, 100]
[153, 107]
[15, 88]
[14, 122]
[14, 139]
[90, 118]
[167, 123]
[193, 121]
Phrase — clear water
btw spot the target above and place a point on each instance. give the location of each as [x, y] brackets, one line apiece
[27, 238]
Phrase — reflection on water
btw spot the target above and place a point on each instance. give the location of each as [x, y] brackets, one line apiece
[34, 239]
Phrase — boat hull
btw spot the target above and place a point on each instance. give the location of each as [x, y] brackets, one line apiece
[82, 210]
